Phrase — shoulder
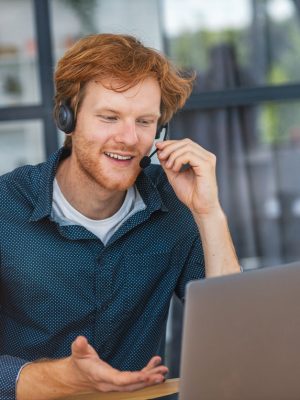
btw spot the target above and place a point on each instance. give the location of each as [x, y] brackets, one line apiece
[29, 181]
[20, 184]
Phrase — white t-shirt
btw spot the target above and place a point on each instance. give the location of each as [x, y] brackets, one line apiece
[65, 214]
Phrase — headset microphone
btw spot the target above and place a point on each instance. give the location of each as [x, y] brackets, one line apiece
[146, 160]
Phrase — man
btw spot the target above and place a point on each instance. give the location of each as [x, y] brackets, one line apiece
[93, 247]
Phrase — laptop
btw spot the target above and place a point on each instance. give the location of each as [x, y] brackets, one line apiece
[241, 337]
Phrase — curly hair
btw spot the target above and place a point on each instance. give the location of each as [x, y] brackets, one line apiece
[125, 58]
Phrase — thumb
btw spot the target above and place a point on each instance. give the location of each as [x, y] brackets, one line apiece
[82, 349]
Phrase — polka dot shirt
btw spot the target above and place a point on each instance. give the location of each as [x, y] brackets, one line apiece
[58, 282]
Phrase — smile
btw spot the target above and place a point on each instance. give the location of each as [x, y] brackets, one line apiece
[118, 156]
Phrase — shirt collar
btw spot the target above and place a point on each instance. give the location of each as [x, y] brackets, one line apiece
[149, 192]
[43, 206]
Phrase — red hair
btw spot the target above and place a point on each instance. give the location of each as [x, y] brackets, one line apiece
[122, 57]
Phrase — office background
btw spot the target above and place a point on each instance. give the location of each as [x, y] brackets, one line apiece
[245, 106]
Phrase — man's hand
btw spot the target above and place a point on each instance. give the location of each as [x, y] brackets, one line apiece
[83, 372]
[196, 186]
[97, 375]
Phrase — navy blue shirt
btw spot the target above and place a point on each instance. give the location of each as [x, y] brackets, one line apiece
[58, 282]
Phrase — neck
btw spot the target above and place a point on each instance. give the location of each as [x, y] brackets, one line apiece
[85, 195]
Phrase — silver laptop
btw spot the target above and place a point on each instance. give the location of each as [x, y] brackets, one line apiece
[241, 337]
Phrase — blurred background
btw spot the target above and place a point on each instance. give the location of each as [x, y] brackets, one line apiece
[245, 107]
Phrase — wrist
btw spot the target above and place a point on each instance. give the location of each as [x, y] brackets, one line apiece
[213, 214]
[48, 380]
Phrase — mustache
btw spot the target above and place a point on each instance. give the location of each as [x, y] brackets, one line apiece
[122, 149]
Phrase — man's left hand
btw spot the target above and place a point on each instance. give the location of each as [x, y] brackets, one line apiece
[196, 185]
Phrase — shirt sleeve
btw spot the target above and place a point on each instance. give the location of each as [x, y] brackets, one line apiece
[194, 267]
[9, 373]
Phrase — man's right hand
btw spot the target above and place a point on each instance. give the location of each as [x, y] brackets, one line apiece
[83, 372]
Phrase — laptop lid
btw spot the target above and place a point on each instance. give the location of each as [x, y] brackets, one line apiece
[241, 338]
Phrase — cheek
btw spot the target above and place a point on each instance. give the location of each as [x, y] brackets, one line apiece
[90, 129]
[91, 136]
[149, 143]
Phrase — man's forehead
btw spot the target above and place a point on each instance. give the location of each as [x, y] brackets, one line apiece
[144, 99]
[147, 91]
[117, 85]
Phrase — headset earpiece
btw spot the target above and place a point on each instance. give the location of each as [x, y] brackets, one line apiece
[158, 131]
[160, 128]
[65, 118]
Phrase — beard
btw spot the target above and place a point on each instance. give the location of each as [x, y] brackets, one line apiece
[95, 167]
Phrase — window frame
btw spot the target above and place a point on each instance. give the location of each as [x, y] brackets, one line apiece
[44, 110]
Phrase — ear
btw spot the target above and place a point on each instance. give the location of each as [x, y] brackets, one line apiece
[65, 120]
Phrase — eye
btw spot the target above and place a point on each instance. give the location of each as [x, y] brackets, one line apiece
[145, 122]
[108, 118]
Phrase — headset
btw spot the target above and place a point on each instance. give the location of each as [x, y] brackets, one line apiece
[66, 122]
[65, 119]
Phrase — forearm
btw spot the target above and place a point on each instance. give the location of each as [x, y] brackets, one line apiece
[48, 380]
[219, 253]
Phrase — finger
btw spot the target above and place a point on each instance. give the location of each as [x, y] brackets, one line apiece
[103, 373]
[166, 148]
[190, 158]
[172, 145]
[104, 387]
[201, 166]
[160, 369]
[126, 381]
[81, 348]
[169, 157]
[169, 161]
[165, 153]
[183, 160]
[147, 379]
[161, 145]
[154, 362]
[124, 378]
[156, 381]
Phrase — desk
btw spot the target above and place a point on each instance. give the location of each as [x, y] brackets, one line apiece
[170, 386]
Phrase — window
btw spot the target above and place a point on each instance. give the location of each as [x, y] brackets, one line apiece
[19, 81]
[22, 143]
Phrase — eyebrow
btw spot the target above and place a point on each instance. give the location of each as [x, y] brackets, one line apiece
[146, 115]
[99, 110]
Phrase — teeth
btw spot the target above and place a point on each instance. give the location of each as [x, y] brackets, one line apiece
[118, 157]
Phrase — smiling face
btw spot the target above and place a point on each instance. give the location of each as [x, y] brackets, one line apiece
[114, 130]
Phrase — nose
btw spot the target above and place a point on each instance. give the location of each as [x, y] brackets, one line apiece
[127, 134]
